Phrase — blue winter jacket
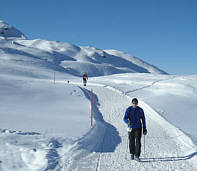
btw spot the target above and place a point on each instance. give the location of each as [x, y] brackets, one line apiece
[135, 115]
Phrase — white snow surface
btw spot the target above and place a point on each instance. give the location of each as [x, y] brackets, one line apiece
[45, 125]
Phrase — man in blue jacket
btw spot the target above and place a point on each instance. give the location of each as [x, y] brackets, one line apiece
[134, 118]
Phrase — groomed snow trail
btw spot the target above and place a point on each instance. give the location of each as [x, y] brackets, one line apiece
[167, 148]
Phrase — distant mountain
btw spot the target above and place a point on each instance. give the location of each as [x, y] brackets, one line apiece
[8, 31]
[36, 58]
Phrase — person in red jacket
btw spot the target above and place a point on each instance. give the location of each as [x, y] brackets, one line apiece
[85, 78]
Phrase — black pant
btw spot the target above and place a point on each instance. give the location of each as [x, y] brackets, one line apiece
[135, 141]
[84, 81]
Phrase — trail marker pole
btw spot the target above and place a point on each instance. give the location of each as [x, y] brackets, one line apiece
[127, 149]
[91, 107]
[144, 145]
[54, 77]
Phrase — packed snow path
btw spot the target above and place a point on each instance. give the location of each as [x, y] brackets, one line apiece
[167, 148]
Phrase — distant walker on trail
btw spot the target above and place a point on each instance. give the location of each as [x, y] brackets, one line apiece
[85, 78]
[134, 117]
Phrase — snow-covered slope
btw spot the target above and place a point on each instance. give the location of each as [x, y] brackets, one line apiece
[150, 68]
[23, 56]
[46, 126]
[172, 96]
[166, 147]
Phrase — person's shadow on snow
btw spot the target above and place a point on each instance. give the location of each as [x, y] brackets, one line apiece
[167, 159]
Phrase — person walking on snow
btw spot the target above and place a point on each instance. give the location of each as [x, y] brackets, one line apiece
[134, 117]
[85, 78]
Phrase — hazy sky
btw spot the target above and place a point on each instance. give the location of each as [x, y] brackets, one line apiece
[161, 32]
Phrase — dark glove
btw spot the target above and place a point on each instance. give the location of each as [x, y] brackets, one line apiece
[144, 131]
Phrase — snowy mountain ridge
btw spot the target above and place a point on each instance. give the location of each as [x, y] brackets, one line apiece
[9, 32]
[64, 57]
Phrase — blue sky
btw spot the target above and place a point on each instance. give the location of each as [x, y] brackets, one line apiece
[161, 32]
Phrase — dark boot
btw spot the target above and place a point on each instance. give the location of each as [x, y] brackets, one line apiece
[137, 158]
[132, 156]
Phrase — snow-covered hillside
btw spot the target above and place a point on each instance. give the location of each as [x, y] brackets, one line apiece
[46, 126]
[63, 57]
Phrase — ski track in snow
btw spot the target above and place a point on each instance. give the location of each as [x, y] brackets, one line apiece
[153, 83]
[165, 149]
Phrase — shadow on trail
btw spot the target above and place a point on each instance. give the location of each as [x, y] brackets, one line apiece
[18, 132]
[103, 137]
[167, 159]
